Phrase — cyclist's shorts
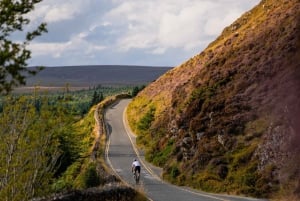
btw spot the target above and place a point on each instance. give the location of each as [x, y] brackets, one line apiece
[137, 168]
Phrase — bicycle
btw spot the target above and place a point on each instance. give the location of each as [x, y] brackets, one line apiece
[136, 169]
[136, 176]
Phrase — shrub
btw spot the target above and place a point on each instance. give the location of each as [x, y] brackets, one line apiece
[145, 122]
[90, 177]
[161, 157]
[174, 172]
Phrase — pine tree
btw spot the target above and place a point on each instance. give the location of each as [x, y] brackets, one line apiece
[97, 97]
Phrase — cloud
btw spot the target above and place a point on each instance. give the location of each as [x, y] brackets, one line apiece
[159, 50]
[57, 11]
[63, 12]
[77, 45]
[130, 31]
[161, 25]
[214, 24]
[181, 29]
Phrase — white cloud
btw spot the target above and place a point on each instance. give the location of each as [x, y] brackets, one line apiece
[216, 23]
[152, 29]
[52, 49]
[158, 51]
[181, 29]
[77, 45]
[64, 12]
[160, 25]
[83, 34]
[56, 10]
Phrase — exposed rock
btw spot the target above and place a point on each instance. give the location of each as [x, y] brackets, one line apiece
[221, 139]
[273, 149]
[187, 141]
[199, 135]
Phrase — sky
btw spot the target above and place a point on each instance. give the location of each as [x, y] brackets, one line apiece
[129, 32]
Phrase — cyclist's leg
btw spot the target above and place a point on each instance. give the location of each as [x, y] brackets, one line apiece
[135, 173]
[135, 176]
[138, 172]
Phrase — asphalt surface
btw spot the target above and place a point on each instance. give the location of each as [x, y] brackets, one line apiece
[120, 152]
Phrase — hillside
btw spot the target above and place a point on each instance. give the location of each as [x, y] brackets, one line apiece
[227, 120]
[89, 76]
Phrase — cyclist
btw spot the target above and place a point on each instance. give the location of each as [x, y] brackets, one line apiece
[136, 166]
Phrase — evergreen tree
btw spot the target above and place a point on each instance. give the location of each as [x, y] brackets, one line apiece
[136, 90]
[14, 55]
[97, 97]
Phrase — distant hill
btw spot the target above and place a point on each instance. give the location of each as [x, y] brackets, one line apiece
[228, 119]
[88, 76]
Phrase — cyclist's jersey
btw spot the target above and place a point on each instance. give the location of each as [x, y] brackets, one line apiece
[136, 164]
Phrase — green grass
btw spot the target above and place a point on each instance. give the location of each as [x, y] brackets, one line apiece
[161, 157]
[145, 122]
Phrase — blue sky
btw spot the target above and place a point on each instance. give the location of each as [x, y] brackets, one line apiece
[131, 32]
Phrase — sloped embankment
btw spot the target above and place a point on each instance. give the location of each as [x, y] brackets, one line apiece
[227, 120]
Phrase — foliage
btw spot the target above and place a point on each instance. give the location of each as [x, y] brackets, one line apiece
[66, 181]
[136, 90]
[89, 177]
[174, 172]
[14, 55]
[78, 102]
[145, 122]
[143, 127]
[45, 144]
[78, 169]
[159, 158]
[30, 147]
[97, 97]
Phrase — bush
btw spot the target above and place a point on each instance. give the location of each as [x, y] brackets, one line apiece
[175, 172]
[145, 122]
[161, 157]
[90, 177]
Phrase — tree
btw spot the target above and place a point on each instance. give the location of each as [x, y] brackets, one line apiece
[136, 90]
[96, 98]
[29, 147]
[14, 55]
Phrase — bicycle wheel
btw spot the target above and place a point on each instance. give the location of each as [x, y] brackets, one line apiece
[136, 176]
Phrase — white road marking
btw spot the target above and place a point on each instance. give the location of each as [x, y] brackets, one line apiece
[119, 170]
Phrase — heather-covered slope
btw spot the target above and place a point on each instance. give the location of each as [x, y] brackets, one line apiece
[89, 76]
[228, 119]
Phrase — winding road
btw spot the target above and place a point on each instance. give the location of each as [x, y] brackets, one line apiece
[121, 151]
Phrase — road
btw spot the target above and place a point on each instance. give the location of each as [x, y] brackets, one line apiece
[120, 152]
